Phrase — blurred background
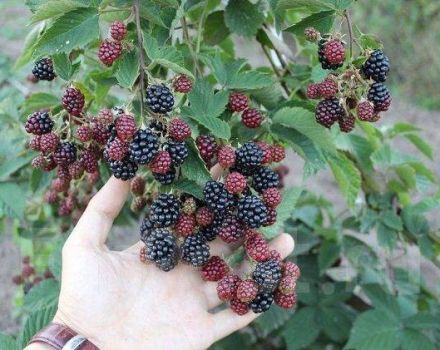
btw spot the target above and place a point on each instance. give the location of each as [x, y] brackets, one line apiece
[409, 29]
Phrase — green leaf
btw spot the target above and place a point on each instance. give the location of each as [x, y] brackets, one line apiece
[373, 330]
[413, 340]
[38, 101]
[12, 199]
[29, 46]
[243, 18]
[7, 342]
[42, 295]
[407, 174]
[73, 30]
[328, 253]
[35, 322]
[188, 186]
[368, 41]
[423, 321]
[271, 321]
[55, 260]
[128, 69]
[347, 176]
[392, 220]
[336, 322]
[14, 164]
[62, 65]
[194, 168]
[386, 236]
[293, 332]
[54, 8]
[205, 107]
[382, 300]
[215, 30]
[322, 21]
[421, 144]
[314, 5]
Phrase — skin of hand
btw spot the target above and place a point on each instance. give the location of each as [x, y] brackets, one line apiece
[118, 302]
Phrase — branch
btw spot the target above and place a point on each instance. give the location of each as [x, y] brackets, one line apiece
[136, 6]
[350, 30]
[187, 39]
[275, 69]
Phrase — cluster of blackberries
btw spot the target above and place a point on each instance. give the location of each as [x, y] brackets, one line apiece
[250, 117]
[110, 49]
[28, 277]
[43, 69]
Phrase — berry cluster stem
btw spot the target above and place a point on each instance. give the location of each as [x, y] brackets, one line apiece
[188, 42]
[350, 30]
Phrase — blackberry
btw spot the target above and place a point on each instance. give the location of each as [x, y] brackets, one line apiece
[289, 268]
[207, 146]
[251, 118]
[159, 128]
[167, 178]
[146, 228]
[215, 269]
[144, 146]
[247, 290]
[328, 88]
[262, 303]
[231, 230]
[65, 153]
[125, 126]
[101, 133]
[267, 274]
[267, 152]
[285, 301]
[287, 285]
[117, 149]
[39, 123]
[209, 232]
[226, 156]
[73, 101]
[227, 287]
[271, 217]
[84, 133]
[123, 169]
[257, 248]
[313, 91]
[334, 51]
[271, 197]
[365, 111]
[322, 57]
[248, 157]
[235, 182]
[182, 84]
[165, 210]
[109, 51]
[162, 249]
[238, 102]
[185, 225]
[179, 130]
[161, 163]
[137, 185]
[347, 123]
[311, 34]
[328, 112]
[377, 66]
[34, 143]
[204, 216]
[105, 116]
[216, 196]
[49, 142]
[380, 96]
[252, 211]
[118, 30]
[178, 151]
[239, 307]
[264, 178]
[189, 205]
[160, 99]
[88, 159]
[76, 170]
[195, 250]
[43, 69]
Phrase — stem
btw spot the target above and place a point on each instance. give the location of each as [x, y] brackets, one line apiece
[350, 30]
[275, 69]
[188, 42]
[199, 29]
[136, 6]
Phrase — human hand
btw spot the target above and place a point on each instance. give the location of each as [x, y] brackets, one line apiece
[118, 302]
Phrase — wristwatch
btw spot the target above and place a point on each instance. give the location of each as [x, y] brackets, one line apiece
[62, 338]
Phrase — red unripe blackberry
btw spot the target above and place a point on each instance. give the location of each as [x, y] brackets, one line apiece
[235, 182]
[43, 69]
[138, 203]
[313, 92]
[249, 233]
[34, 143]
[275, 255]
[365, 111]
[63, 209]
[271, 197]
[247, 290]
[182, 84]
[125, 127]
[137, 185]
[63, 173]
[231, 230]
[105, 116]
[207, 146]
[239, 307]
[143, 254]
[84, 133]
[287, 285]
[49, 142]
[88, 159]
[73, 101]
[65, 153]
[204, 216]
[251, 118]
[328, 88]
[37, 279]
[185, 225]
[322, 56]
[257, 248]
[226, 156]
[161, 163]
[380, 96]
[27, 271]
[289, 268]
[227, 287]
[39, 123]
[271, 217]
[215, 269]
[38, 162]
[334, 51]
[109, 51]
[179, 130]
[60, 185]
[311, 34]
[285, 301]
[101, 133]
[328, 112]
[51, 197]
[92, 178]
[267, 152]
[189, 206]
[118, 30]
[117, 149]
[76, 170]
[18, 279]
[48, 274]
[347, 123]
[50, 164]
[238, 102]
[278, 153]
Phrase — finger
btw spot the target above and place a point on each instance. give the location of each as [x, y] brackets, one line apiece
[284, 244]
[216, 171]
[220, 248]
[135, 248]
[94, 225]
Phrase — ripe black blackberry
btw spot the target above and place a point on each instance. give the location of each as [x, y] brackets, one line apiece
[211, 231]
[65, 153]
[328, 112]
[39, 123]
[167, 178]
[144, 146]
[207, 146]
[347, 123]
[195, 250]
[262, 302]
[162, 249]
[322, 58]
[380, 96]
[264, 178]
[165, 210]
[146, 227]
[248, 157]
[252, 211]
[177, 150]
[43, 69]
[160, 99]
[377, 66]
[267, 274]
[217, 197]
[123, 169]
